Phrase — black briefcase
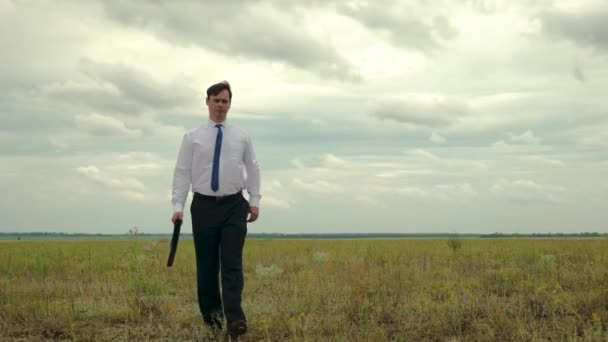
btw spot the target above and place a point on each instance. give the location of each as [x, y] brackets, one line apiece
[176, 228]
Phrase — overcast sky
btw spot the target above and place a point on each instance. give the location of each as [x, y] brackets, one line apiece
[366, 116]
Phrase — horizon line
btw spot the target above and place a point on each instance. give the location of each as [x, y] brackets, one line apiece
[316, 233]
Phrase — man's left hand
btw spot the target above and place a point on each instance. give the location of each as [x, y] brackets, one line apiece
[254, 212]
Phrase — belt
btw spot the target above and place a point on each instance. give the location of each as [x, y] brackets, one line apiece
[218, 198]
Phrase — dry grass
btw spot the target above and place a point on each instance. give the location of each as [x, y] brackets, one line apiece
[312, 290]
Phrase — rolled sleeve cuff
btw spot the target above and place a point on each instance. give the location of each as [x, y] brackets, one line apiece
[254, 201]
[178, 207]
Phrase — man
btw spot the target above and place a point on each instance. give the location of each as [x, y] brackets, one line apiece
[212, 159]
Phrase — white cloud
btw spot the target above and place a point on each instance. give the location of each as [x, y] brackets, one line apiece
[127, 184]
[125, 187]
[501, 145]
[296, 163]
[489, 102]
[515, 142]
[344, 178]
[413, 192]
[272, 202]
[331, 161]
[401, 173]
[101, 125]
[464, 190]
[597, 140]
[322, 187]
[273, 193]
[423, 153]
[77, 90]
[251, 116]
[447, 163]
[527, 137]
[544, 160]
[424, 110]
[140, 163]
[58, 142]
[527, 190]
[437, 138]
[440, 192]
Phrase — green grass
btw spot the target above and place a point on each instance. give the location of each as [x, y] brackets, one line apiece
[313, 290]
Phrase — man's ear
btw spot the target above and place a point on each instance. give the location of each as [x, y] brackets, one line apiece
[207, 100]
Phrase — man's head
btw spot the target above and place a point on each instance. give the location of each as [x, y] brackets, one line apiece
[219, 97]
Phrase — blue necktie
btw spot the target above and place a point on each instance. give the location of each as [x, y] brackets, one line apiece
[215, 172]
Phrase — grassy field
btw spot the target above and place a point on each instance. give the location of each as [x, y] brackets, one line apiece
[313, 290]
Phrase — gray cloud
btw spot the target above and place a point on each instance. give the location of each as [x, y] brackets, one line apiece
[526, 138]
[484, 6]
[437, 138]
[96, 95]
[39, 39]
[585, 28]
[433, 113]
[120, 88]
[406, 26]
[137, 86]
[249, 30]
[444, 27]
[491, 7]
[578, 73]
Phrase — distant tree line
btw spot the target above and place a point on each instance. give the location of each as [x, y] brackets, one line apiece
[55, 235]
[544, 235]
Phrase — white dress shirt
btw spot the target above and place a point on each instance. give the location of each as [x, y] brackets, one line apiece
[238, 167]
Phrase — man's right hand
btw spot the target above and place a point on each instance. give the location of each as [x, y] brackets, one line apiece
[178, 215]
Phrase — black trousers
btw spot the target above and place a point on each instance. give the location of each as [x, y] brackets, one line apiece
[219, 228]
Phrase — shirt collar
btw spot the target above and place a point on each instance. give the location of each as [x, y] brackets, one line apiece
[211, 123]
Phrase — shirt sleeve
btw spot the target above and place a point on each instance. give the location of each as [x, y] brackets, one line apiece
[253, 175]
[182, 176]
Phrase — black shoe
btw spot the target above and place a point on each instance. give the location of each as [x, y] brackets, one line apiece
[213, 322]
[236, 329]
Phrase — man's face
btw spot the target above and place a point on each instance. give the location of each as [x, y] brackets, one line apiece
[219, 106]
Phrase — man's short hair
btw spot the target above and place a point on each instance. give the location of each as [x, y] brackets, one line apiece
[217, 88]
